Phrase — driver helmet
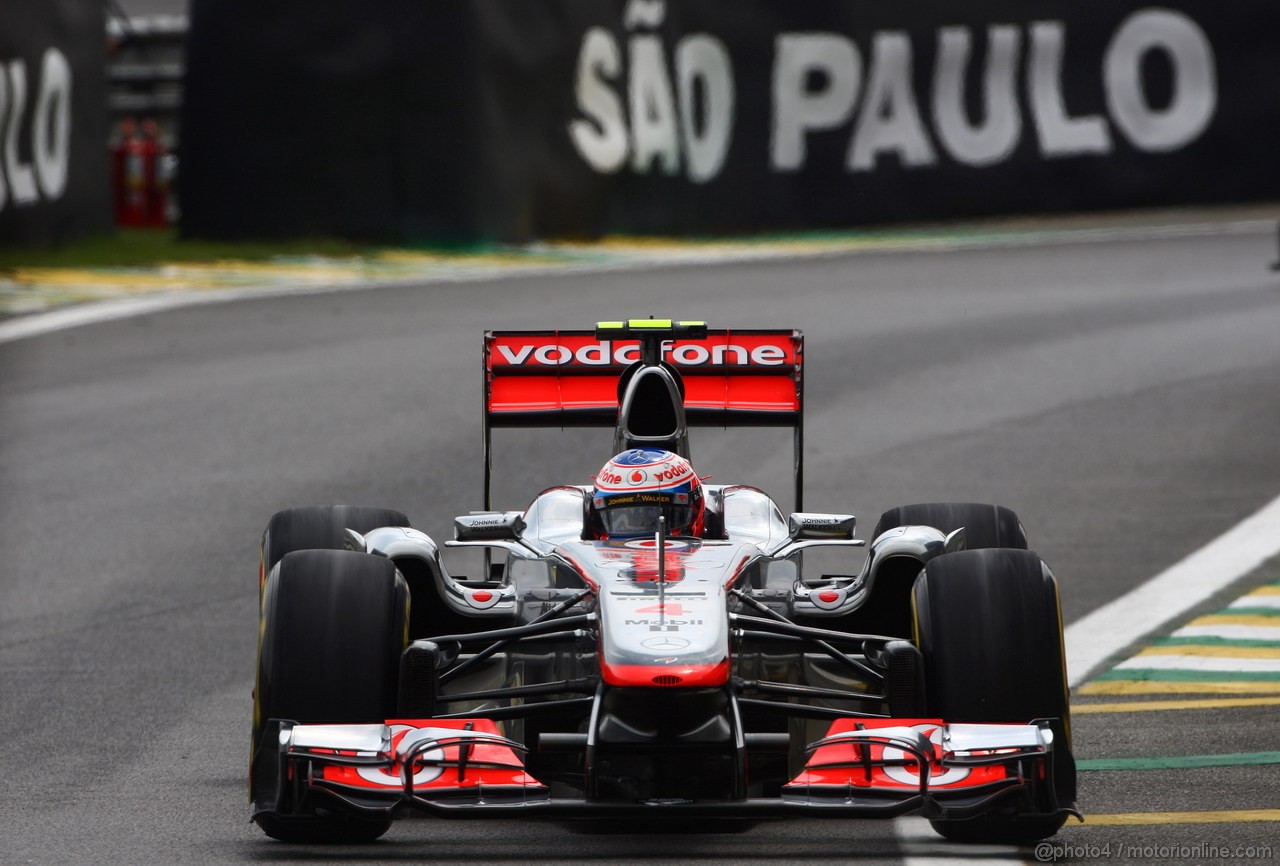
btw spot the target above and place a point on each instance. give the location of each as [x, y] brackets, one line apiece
[638, 486]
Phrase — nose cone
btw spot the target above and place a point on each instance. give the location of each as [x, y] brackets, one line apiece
[668, 634]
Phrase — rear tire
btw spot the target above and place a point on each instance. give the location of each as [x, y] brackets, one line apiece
[984, 525]
[320, 527]
[989, 626]
[888, 610]
[333, 628]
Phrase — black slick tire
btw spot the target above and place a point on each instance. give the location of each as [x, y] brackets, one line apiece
[888, 610]
[989, 626]
[333, 628]
[320, 527]
[984, 525]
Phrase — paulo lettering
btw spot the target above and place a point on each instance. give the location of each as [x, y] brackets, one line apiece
[819, 84]
[665, 126]
[45, 139]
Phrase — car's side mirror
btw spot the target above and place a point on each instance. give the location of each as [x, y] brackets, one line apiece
[810, 526]
[810, 529]
[489, 526]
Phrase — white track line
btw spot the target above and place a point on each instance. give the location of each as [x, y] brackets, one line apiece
[89, 313]
[1199, 663]
[1267, 601]
[920, 846]
[1232, 632]
[1117, 624]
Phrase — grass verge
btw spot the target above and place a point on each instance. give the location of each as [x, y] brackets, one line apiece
[142, 247]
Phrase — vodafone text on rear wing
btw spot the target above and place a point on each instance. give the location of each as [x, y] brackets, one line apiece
[577, 378]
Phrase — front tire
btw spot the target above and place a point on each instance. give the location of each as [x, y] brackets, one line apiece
[333, 628]
[329, 830]
[989, 625]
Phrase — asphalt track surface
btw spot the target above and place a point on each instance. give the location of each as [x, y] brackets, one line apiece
[1123, 396]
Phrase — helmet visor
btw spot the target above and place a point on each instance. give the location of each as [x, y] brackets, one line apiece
[635, 520]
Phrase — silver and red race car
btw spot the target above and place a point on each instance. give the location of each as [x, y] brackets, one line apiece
[678, 674]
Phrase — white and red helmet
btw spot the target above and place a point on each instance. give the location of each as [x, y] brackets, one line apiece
[637, 487]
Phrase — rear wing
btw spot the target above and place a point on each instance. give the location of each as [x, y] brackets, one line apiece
[570, 378]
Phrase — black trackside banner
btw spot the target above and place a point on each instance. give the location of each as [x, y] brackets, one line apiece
[580, 117]
[53, 116]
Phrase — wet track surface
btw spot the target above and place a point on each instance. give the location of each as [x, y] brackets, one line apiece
[1122, 396]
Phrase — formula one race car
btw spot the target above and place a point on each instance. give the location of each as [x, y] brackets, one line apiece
[647, 645]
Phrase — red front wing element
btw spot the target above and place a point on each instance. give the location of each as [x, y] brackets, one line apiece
[486, 765]
[841, 766]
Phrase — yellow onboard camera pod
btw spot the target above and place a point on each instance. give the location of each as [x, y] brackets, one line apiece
[651, 329]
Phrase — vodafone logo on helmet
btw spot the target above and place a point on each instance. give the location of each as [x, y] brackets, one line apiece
[651, 475]
[672, 472]
[644, 470]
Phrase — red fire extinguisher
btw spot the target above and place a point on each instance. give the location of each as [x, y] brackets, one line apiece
[130, 180]
[120, 169]
[140, 182]
[156, 175]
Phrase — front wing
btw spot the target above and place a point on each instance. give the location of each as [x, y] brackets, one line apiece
[465, 768]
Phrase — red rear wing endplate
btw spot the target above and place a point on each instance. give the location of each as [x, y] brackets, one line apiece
[556, 378]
